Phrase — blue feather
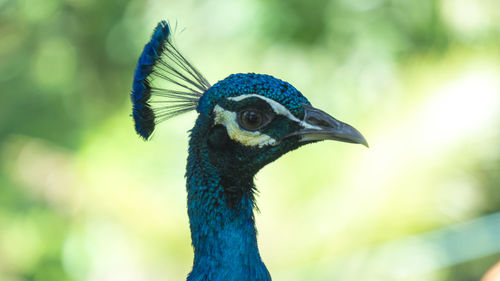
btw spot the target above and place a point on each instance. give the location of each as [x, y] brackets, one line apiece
[249, 83]
[220, 168]
[161, 60]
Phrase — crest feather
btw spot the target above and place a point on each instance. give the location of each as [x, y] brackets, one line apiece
[165, 83]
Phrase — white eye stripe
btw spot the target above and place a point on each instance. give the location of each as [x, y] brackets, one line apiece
[277, 108]
[228, 119]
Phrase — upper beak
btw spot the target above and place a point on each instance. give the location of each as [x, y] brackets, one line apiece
[318, 125]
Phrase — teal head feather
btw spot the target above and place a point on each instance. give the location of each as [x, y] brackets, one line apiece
[244, 122]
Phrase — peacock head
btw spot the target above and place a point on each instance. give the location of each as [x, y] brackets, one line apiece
[253, 119]
[245, 121]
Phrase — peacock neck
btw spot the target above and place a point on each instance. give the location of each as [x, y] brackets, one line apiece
[222, 224]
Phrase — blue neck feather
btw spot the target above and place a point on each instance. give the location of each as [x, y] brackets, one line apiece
[220, 170]
[223, 237]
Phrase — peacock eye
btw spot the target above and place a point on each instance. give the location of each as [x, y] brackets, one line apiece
[251, 119]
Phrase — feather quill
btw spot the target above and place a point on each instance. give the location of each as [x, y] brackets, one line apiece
[180, 84]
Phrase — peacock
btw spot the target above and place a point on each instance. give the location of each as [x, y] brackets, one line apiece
[244, 122]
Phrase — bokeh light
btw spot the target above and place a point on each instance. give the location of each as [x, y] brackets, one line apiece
[83, 198]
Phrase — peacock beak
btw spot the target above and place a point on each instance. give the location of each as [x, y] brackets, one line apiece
[318, 125]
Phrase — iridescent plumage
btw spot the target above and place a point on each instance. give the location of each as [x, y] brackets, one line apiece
[244, 122]
[160, 59]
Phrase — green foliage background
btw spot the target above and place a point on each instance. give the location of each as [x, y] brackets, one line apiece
[83, 198]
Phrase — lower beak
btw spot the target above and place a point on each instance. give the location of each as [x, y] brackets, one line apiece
[318, 125]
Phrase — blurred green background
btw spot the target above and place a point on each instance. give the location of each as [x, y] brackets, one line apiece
[83, 198]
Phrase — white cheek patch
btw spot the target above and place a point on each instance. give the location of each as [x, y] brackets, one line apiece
[247, 138]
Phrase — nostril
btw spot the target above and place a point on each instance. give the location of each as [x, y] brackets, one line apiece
[318, 122]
